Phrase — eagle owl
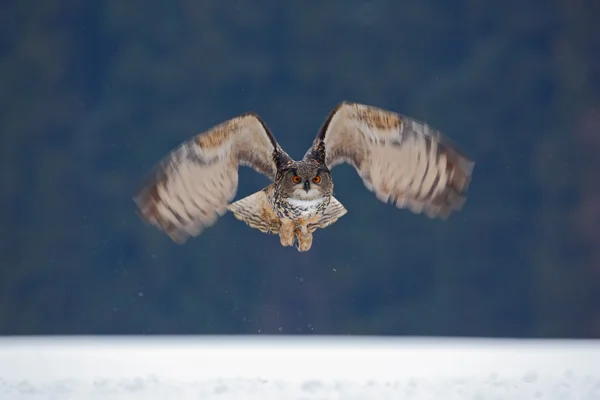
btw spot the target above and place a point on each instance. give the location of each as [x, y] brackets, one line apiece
[401, 160]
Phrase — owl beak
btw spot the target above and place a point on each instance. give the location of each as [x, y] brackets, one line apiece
[306, 186]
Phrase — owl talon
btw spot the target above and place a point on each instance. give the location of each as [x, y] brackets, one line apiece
[286, 233]
[304, 237]
[285, 241]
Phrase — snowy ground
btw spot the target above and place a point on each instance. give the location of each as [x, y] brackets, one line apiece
[288, 368]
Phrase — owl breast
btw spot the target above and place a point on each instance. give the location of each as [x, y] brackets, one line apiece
[295, 209]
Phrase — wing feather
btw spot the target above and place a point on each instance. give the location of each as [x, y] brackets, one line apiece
[402, 160]
[334, 211]
[256, 211]
[191, 187]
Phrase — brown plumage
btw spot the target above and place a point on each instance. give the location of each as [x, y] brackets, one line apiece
[401, 160]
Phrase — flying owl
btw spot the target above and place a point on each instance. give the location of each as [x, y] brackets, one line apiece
[401, 160]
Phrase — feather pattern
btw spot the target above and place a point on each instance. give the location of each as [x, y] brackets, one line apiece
[256, 211]
[402, 160]
[192, 186]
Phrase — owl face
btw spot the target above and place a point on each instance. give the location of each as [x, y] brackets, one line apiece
[306, 182]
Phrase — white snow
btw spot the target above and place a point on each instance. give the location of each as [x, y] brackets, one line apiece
[288, 368]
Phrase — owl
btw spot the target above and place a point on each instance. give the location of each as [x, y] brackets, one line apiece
[401, 160]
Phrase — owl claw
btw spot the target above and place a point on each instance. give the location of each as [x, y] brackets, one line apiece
[286, 233]
[285, 242]
[304, 239]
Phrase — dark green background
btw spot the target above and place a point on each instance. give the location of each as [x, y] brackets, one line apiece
[94, 93]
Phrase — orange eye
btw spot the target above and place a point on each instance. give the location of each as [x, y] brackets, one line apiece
[296, 179]
[317, 179]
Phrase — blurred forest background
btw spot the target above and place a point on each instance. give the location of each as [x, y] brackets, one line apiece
[94, 93]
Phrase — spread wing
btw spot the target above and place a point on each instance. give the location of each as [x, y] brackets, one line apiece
[401, 160]
[191, 187]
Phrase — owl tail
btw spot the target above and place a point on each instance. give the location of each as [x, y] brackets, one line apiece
[256, 211]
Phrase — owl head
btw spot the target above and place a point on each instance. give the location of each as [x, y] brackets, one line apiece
[305, 181]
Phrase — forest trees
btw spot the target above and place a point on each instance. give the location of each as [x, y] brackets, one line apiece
[94, 94]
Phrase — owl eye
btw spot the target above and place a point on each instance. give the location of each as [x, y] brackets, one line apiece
[296, 179]
[317, 179]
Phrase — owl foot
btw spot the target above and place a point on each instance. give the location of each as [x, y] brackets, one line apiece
[286, 232]
[304, 239]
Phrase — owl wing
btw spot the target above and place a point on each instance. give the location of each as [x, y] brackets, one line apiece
[256, 211]
[191, 187]
[403, 161]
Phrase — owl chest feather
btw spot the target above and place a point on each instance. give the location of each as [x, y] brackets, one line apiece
[295, 209]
